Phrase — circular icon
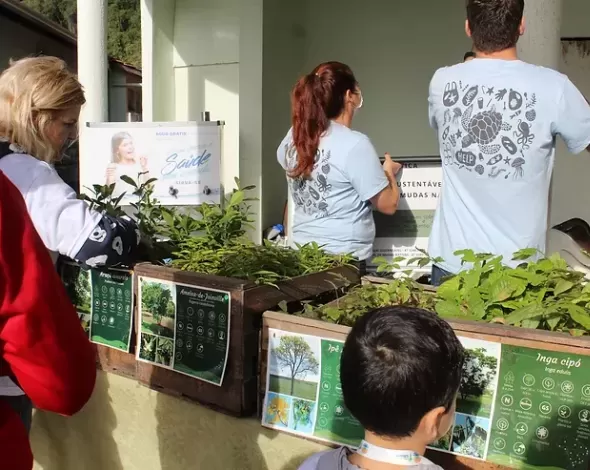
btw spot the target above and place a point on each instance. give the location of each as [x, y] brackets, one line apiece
[584, 416]
[586, 391]
[103, 319]
[95, 317]
[178, 356]
[127, 308]
[190, 311]
[503, 424]
[542, 433]
[499, 443]
[564, 411]
[189, 327]
[97, 302]
[545, 407]
[200, 348]
[179, 342]
[105, 304]
[180, 326]
[529, 380]
[526, 404]
[189, 345]
[211, 315]
[324, 407]
[521, 429]
[323, 422]
[326, 386]
[507, 400]
[222, 318]
[210, 333]
[519, 448]
[339, 410]
[104, 289]
[221, 335]
[119, 291]
[548, 383]
[567, 387]
[112, 320]
[112, 305]
[200, 330]
[112, 290]
[200, 313]
[127, 293]
[120, 307]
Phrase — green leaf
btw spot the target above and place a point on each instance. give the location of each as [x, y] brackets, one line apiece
[467, 256]
[379, 260]
[525, 313]
[236, 199]
[580, 315]
[524, 254]
[129, 181]
[502, 289]
[283, 306]
[449, 289]
[448, 309]
[562, 286]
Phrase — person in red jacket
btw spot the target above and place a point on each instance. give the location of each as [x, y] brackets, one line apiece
[42, 344]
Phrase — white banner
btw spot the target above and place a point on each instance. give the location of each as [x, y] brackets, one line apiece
[409, 228]
[185, 158]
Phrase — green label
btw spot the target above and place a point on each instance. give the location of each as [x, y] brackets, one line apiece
[77, 283]
[202, 332]
[112, 308]
[542, 410]
[185, 328]
[334, 422]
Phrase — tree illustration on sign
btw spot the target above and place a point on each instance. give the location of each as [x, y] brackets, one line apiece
[156, 300]
[294, 354]
[479, 370]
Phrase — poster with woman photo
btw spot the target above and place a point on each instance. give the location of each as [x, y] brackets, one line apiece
[180, 161]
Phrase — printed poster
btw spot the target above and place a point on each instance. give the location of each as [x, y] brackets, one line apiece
[103, 299]
[184, 328]
[183, 157]
[519, 407]
[409, 228]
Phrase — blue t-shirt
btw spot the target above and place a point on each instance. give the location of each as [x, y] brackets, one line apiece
[497, 121]
[332, 207]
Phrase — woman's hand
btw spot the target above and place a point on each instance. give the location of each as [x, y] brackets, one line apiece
[143, 163]
[110, 173]
[390, 167]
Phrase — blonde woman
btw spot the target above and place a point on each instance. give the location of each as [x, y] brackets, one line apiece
[125, 162]
[40, 101]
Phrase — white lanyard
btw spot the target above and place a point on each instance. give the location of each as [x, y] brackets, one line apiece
[391, 456]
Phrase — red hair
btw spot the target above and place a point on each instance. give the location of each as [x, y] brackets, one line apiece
[317, 98]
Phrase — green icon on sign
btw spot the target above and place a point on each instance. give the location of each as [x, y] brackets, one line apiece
[564, 411]
[507, 400]
[526, 404]
[586, 391]
[548, 383]
[522, 429]
[542, 433]
[499, 443]
[519, 448]
[545, 407]
[502, 424]
[528, 380]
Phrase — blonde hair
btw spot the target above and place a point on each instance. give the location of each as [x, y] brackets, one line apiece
[33, 92]
[116, 141]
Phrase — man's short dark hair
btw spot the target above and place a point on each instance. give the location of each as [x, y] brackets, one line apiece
[398, 364]
[494, 24]
[468, 55]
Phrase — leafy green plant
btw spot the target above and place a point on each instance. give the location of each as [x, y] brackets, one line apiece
[539, 293]
[101, 199]
[543, 293]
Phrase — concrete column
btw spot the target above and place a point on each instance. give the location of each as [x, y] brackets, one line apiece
[541, 44]
[92, 59]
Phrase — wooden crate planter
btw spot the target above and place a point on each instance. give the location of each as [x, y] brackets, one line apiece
[529, 399]
[238, 393]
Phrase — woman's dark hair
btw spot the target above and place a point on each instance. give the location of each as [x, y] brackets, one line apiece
[494, 24]
[398, 364]
[317, 98]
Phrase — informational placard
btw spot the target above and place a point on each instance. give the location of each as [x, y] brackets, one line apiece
[183, 157]
[104, 301]
[184, 328]
[519, 407]
[409, 228]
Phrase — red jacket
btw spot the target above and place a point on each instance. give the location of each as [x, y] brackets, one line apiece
[42, 343]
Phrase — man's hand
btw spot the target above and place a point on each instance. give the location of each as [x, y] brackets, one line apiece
[390, 167]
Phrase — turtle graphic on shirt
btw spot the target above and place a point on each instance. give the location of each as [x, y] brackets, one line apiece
[483, 128]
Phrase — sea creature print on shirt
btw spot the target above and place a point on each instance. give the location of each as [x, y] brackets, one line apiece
[487, 128]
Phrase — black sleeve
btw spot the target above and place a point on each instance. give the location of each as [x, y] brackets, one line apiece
[113, 242]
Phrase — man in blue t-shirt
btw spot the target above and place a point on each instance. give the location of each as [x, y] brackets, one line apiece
[497, 118]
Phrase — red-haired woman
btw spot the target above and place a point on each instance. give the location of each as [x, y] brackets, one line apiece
[334, 173]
